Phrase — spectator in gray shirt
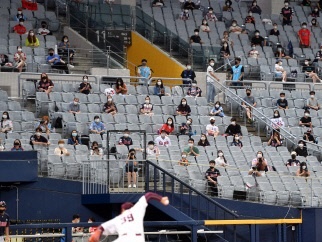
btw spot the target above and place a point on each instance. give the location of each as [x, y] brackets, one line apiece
[248, 104]
[74, 106]
[312, 102]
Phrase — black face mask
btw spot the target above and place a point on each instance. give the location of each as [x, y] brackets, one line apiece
[44, 26]
[248, 93]
[51, 54]
[212, 122]
[293, 157]
[236, 63]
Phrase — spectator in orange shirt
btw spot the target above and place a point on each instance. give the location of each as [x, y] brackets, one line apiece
[19, 28]
[304, 36]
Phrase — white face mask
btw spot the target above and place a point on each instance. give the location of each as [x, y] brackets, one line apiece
[151, 147]
[205, 23]
[275, 27]
[203, 138]
[301, 145]
[304, 26]
[19, 12]
[236, 138]
[210, 11]
[306, 62]
[183, 156]
[85, 79]
[312, 96]
[188, 67]
[286, 5]
[19, 49]
[163, 135]
[275, 114]
[61, 145]
[254, 47]
[97, 120]
[126, 135]
[257, 34]
[303, 167]
[186, 10]
[75, 103]
[190, 145]
[188, 122]
[259, 155]
[21, 23]
[37, 134]
[169, 122]
[217, 105]
[282, 98]
[250, 14]
[212, 63]
[196, 33]
[184, 103]
[233, 123]
[225, 45]
[159, 83]
[254, 4]
[4, 116]
[234, 25]
[147, 101]
[31, 34]
[194, 84]
[110, 99]
[65, 40]
[307, 115]
[220, 154]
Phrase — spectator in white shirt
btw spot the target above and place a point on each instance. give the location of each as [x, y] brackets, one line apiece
[221, 160]
[212, 129]
[253, 53]
[279, 71]
[163, 140]
[152, 150]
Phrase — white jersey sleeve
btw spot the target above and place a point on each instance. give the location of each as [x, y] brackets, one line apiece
[110, 227]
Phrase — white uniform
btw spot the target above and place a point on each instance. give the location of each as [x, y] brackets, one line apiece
[129, 224]
[211, 127]
[159, 141]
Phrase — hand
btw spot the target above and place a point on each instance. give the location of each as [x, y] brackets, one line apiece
[95, 237]
[165, 201]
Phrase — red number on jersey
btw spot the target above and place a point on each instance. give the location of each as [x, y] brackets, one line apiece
[127, 218]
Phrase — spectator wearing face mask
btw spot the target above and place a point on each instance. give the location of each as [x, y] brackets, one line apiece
[258, 40]
[17, 146]
[120, 87]
[64, 49]
[212, 129]
[38, 139]
[186, 128]
[20, 28]
[237, 73]
[282, 103]
[97, 127]
[185, 14]
[152, 150]
[315, 12]
[303, 170]
[277, 121]
[19, 59]
[188, 73]
[227, 7]
[168, 126]
[217, 110]
[31, 40]
[183, 161]
[74, 106]
[221, 160]
[20, 15]
[312, 102]
[293, 161]
[147, 107]
[309, 69]
[233, 128]
[183, 108]
[45, 84]
[249, 18]
[131, 168]
[95, 150]
[196, 38]
[210, 16]
[144, 72]
[85, 87]
[227, 39]
[255, 8]
[236, 141]
[203, 141]
[109, 106]
[204, 27]
[314, 23]
[318, 55]
[308, 136]
[249, 103]
[44, 29]
[225, 54]
[159, 88]
[304, 35]
[301, 149]
[45, 125]
[211, 77]
[61, 150]
[91, 229]
[287, 13]
[56, 62]
[163, 139]
[194, 90]
[259, 165]
[234, 28]
[279, 71]
[211, 175]
[275, 139]
[74, 139]
[306, 120]
[253, 53]
[280, 53]
[126, 139]
[6, 123]
[274, 30]
[191, 149]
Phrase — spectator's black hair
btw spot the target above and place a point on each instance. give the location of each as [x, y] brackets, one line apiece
[151, 142]
[75, 216]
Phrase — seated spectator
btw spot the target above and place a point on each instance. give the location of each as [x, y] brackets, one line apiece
[212, 129]
[32, 40]
[277, 121]
[5, 123]
[258, 39]
[217, 110]
[152, 150]
[168, 126]
[304, 36]
[293, 161]
[211, 175]
[183, 161]
[249, 18]
[45, 84]
[56, 62]
[74, 139]
[157, 3]
[44, 125]
[203, 141]
[221, 160]
[191, 149]
[17, 146]
[20, 15]
[280, 53]
[234, 28]
[274, 30]
[189, 5]
[204, 27]
[312, 102]
[163, 139]
[225, 54]
[309, 71]
[318, 55]
[183, 108]
[95, 150]
[61, 150]
[282, 102]
[303, 170]
[64, 49]
[287, 13]
[185, 14]
[196, 38]
[19, 28]
[227, 7]
[233, 128]
[19, 59]
[194, 91]
[253, 53]
[85, 87]
[315, 13]
[74, 106]
[279, 71]
[226, 39]
[259, 165]
[314, 23]
[120, 87]
[109, 106]
[147, 107]
[306, 3]
[44, 29]
[188, 73]
[308, 136]
[275, 139]
[126, 139]
[131, 168]
[210, 16]
[186, 128]
[92, 229]
[159, 89]
[255, 8]
[306, 120]
[301, 149]
[4, 60]
[38, 139]
[97, 127]
[248, 104]
[236, 141]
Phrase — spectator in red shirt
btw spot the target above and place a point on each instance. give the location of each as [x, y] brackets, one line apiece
[304, 36]
[168, 126]
[19, 28]
[250, 19]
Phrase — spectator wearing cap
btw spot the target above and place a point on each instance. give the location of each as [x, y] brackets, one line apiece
[211, 175]
[126, 139]
[293, 161]
[212, 129]
[97, 127]
[5, 222]
[308, 136]
[304, 35]
[196, 38]
[168, 126]
[144, 72]
[191, 149]
[282, 103]
[19, 28]
[306, 120]
[279, 70]
[194, 90]
[20, 15]
[312, 102]
[258, 39]
[188, 73]
[163, 139]
[309, 71]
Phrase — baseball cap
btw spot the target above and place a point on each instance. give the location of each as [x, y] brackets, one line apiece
[212, 118]
[293, 153]
[309, 131]
[3, 204]
[127, 205]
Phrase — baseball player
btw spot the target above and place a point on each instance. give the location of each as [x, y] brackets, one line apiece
[4, 223]
[129, 224]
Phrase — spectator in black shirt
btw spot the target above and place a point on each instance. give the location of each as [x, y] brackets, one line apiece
[183, 108]
[280, 53]
[189, 5]
[308, 136]
[211, 175]
[188, 73]
[5, 222]
[126, 139]
[38, 139]
[315, 13]
[85, 87]
[306, 3]
[233, 128]
[282, 102]
[318, 55]
[274, 30]
[308, 69]
[109, 106]
[258, 40]
[314, 23]
[255, 8]
[196, 38]
[236, 141]
[306, 121]
[185, 128]
[203, 141]
[301, 150]
[287, 13]
[293, 161]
